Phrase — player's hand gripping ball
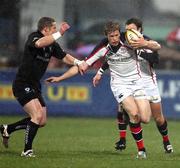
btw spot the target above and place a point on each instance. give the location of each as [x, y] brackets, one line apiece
[132, 35]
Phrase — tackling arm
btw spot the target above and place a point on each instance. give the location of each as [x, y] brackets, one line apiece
[69, 59]
[71, 72]
[153, 45]
[146, 44]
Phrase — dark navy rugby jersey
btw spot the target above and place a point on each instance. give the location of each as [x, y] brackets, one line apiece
[35, 60]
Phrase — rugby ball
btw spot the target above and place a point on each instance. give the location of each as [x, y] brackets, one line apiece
[132, 35]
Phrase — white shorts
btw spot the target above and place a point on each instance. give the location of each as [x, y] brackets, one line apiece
[152, 91]
[123, 90]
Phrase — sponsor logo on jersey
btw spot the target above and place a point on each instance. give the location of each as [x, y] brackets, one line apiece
[120, 96]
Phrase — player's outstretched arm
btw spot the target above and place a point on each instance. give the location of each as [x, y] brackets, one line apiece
[47, 40]
[71, 72]
[69, 59]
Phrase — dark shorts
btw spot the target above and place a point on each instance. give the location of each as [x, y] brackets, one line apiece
[24, 93]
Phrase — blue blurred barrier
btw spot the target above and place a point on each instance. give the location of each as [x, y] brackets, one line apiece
[77, 96]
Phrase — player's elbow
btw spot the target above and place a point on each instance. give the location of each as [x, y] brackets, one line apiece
[38, 44]
[157, 46]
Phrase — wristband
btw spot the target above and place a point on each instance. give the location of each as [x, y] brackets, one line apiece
[100, 71]
[56, 35]
[77, 62]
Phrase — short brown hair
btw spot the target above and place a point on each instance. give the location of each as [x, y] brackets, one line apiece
[111, 27]
[45, 22]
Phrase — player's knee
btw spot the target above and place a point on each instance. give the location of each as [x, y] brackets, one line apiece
[42, 123]
[159, 120]
[145, 120]
[134, 118]
[38, 117]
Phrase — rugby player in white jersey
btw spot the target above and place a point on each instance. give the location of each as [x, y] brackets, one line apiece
[126, 83]
[146, 58]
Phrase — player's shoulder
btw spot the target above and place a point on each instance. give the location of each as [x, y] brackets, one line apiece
[102, 43]
[146, 37]
[35, 34]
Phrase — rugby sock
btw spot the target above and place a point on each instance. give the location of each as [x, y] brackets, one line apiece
[31, 131]
[121, 125]
[22, 124]
[164, 131]
[136, 132]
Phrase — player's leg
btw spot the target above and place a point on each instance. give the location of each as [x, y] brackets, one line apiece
[123, 120]
[44, 111]
[124, 94]
[36, 112]
[144, 110]
[7, 129]
[161, 124]
[130, 106]
[143, 106]
[23, 93]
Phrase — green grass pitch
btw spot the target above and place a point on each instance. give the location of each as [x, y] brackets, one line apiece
[88, 143]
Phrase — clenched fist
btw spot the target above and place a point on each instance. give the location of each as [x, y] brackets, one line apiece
[63, 27]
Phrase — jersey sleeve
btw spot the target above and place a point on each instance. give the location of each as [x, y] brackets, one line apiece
[152, 58]
[99, 51]
[105, 66]
[146, 37]
[58, 52]
[32, 39]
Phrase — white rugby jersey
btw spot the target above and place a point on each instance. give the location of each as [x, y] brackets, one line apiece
[122, 60]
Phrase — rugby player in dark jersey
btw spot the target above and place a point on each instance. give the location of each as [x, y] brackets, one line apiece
[39, 48]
